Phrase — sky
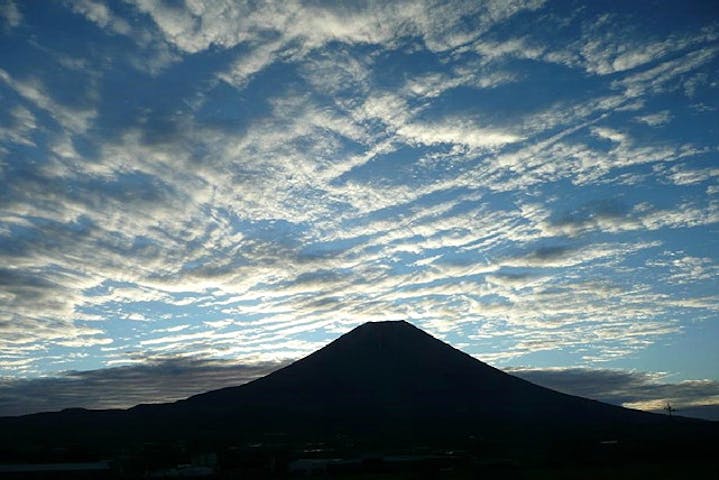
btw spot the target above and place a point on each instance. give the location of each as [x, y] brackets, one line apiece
[194, 193]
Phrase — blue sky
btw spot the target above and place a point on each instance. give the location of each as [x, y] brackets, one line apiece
[215, 183]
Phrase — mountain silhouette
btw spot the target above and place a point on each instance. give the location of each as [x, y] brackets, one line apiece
[389, 371]
[393, 381]
[381, 383]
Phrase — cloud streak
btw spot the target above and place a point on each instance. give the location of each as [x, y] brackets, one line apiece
[631, 389]
[169, 379]
[156, 381]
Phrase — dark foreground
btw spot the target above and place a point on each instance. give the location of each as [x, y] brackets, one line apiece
[278, 457]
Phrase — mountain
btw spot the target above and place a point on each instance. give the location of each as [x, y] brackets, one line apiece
[383, 375]
[383, 383]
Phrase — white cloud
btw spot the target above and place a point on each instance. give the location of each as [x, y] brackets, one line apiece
[656, 79]
[655, 119]
[227, 24]
[248, 64]
[515, 48]
[610, 45]
[684, 175]
[75, 120]
[10, 13]
[456, 132]
[610, 134]
[683, 269]
[101, 15]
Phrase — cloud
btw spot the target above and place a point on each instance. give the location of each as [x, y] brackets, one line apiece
[456, 133]
[73, 118]
[435, 84]
[153, 381]
[655, 119]
[609, 53]
[681, 174]
[658, 78]
[202, 25]
[100, 14]
[685, 269]
[10, 13]
[245, 66]
[609, 134]
[642, 216]
[611, 44]
[631, 389]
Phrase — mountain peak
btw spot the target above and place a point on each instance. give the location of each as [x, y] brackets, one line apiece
[385, 324]
[387, 337]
